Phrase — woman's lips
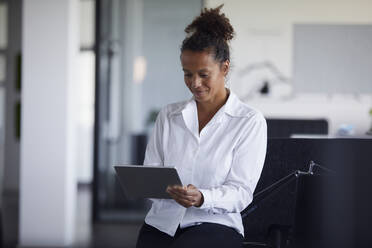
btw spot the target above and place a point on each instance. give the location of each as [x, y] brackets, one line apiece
[200, 93]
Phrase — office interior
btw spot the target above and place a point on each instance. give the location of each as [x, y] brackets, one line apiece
[82, 81]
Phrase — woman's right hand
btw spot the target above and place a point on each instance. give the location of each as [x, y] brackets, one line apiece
[187, 196]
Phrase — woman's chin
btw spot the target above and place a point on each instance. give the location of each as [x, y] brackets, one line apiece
[201, 96]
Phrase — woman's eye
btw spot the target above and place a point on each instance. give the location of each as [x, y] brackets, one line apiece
[204, 75]
[188, 75]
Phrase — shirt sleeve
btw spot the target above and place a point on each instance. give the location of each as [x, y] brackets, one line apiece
[154, 155]
[248, 158]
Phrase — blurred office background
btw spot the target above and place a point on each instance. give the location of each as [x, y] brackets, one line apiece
[81, 83]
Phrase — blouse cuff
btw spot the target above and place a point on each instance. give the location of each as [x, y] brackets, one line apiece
[207, 203]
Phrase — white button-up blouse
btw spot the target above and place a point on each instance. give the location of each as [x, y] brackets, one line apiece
[224, 161]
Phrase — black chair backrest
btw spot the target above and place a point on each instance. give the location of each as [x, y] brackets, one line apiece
[348, 198]
[281, 159]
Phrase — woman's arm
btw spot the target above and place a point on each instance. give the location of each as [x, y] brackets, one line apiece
[154, 155]
[237, 191]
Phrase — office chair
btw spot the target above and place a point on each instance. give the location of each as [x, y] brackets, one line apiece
[277, 235]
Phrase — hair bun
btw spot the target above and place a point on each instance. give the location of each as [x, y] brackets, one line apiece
[212, 23]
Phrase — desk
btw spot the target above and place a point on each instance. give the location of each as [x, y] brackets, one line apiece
[309, 136]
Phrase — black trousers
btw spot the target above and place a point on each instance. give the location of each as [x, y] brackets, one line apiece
[204, 235]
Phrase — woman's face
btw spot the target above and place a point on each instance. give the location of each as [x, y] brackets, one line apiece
[204, 76]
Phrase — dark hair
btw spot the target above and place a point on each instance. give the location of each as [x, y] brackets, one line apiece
[210, 31]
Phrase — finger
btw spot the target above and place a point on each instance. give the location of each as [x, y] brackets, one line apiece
[191, 198]
[183, 198]
[179, 190]
[182, 189]
[192, 192]
[189, 186]
[177, 196]
[181, 195]
[184, 202]
[176, 188]
[191, 189]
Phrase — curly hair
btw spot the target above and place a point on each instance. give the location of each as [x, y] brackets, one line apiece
[210, 31]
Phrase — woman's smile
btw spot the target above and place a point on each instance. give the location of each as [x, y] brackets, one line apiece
[204, 76]
[200, 93]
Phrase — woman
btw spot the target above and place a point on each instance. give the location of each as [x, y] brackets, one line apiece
[216, 142]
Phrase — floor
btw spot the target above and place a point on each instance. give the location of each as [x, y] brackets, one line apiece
[111, 235]
[88, 235]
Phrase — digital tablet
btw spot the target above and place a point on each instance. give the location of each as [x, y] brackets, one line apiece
[138, 181]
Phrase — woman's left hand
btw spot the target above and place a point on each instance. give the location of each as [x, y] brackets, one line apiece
[186, 196]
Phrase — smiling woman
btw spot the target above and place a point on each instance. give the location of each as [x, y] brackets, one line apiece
[203, 75]
[205, 79]
[216, 142]
[205, 58]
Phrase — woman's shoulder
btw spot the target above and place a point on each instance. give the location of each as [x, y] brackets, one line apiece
[174, 108]
[238, 108]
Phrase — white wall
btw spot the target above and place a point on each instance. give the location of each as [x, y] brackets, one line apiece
[47, 171]
[332, 58]
[264, 28]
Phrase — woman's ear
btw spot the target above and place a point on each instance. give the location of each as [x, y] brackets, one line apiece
[225, 67]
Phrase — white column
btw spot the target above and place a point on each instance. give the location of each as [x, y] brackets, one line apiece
[47, 176]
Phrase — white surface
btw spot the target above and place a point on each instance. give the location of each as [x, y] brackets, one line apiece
[85, 107]
[332, 58]
[47, 176]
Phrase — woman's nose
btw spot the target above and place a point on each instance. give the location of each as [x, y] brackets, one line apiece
[196, 82]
